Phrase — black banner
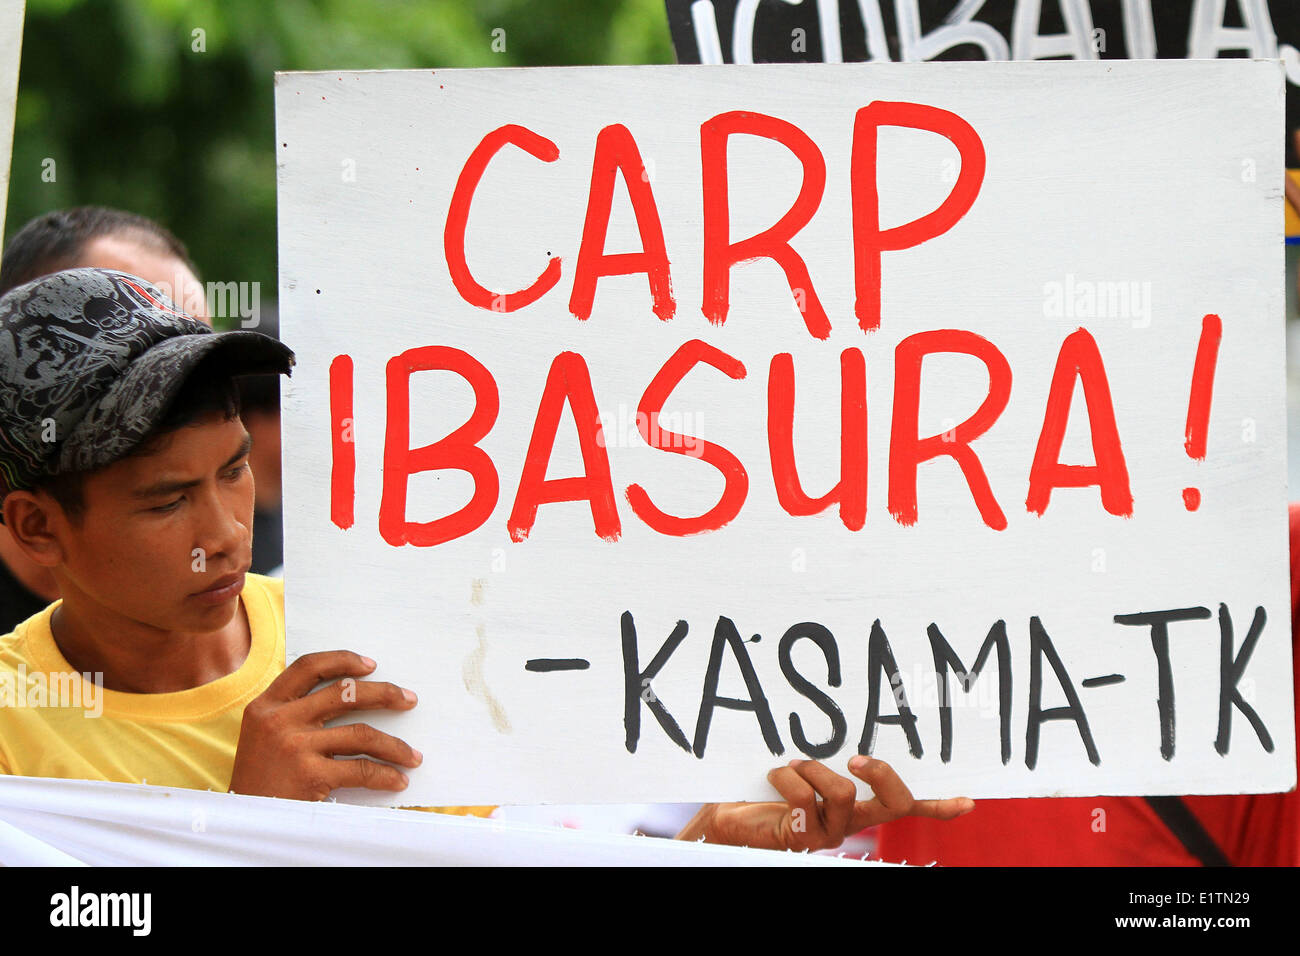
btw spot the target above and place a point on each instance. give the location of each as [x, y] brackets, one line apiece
[814, 31]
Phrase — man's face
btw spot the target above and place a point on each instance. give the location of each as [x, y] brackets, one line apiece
[165, 538]
[160, 269]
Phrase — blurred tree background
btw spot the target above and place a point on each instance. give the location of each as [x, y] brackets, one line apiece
[165, 107]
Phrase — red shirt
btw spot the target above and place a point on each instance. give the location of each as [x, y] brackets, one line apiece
[1251, 829]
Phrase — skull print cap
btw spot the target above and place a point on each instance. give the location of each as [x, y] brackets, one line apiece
[90, 361]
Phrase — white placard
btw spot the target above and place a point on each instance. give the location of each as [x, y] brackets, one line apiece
[1092, 274]
[11, 44]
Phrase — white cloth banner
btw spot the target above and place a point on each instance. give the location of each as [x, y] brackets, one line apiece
[47, 822]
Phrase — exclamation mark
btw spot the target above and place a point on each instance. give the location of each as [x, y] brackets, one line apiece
[343, 459]
[1198, 405]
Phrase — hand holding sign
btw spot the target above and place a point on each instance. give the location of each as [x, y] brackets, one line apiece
[286, 751]
[804, 822]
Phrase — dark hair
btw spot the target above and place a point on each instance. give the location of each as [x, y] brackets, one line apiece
[55, 240]
[260, 394]
[208, 389]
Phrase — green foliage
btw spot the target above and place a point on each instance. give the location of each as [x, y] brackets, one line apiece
[165, 107]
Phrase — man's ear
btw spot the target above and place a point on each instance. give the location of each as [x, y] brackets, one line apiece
[30, 518]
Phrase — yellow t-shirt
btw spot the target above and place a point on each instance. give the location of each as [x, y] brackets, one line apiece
[55, 723]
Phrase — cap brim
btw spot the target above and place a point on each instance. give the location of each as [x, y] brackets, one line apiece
[137, 401]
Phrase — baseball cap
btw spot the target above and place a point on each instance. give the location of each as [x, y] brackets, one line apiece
[90, 361]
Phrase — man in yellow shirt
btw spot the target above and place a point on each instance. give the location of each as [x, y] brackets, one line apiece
[124, 470]
[103, 238]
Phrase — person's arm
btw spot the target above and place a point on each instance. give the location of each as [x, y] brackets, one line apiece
[1292, 192]
[805, 822]
[285, 750]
